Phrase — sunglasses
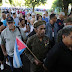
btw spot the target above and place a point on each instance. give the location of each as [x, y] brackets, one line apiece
[10, 22]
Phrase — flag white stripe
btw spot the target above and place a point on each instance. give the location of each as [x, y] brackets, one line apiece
[16, 58]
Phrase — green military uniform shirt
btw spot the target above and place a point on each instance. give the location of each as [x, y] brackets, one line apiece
[39, 48]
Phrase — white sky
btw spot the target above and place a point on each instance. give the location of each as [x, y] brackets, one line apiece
[47, 5]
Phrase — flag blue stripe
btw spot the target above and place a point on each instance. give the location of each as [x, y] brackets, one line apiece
[16, 58]
[15, 61]
[18, 55]
[14, 55]
[19, 64]
[21, 51]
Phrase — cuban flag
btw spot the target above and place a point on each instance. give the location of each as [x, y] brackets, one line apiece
[18, 49]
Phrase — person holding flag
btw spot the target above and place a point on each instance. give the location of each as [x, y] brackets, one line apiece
[39, 44]
[8, 37]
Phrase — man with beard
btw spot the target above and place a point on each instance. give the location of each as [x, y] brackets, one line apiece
[39, 44]
[59, 58]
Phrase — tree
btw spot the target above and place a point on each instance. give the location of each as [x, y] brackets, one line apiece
[62, 4]
[0, 2]
[10, 1]
[57, 4]
[33, 3]
[16, 2]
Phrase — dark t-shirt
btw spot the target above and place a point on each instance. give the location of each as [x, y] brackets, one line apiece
[59, 59]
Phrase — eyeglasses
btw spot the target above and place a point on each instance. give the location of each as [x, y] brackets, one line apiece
[10, 22]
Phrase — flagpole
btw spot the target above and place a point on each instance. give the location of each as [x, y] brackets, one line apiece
[32, 53]
[28, 49]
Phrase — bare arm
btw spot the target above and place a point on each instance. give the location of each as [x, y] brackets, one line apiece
[3, 44]
[2, 27]
[4, 50]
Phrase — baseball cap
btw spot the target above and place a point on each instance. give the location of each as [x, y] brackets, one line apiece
[9, 19]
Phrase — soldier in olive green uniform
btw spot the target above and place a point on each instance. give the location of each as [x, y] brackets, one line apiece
[39, 44]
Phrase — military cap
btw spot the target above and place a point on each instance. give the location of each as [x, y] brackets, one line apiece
[38, 23]
[69, 19]
[9, 19]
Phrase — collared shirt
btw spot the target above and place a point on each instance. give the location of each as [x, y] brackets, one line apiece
[49, 31]
[39, 48]
[8, 38]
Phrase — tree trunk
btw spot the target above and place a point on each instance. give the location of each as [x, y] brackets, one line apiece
[33, 8]
[71, 8]
[66, 10]
[65, 5]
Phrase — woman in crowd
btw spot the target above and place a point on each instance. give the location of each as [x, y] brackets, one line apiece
[24, 27]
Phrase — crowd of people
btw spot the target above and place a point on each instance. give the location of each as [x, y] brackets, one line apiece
[49, 37]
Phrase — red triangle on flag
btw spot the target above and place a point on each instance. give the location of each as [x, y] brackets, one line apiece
[20, 44]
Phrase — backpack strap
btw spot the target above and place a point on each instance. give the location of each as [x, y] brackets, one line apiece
[20, 32]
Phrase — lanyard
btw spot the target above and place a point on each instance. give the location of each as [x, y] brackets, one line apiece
[52, 32]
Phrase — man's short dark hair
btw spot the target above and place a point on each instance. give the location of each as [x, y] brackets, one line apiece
[52, 15]
[67, 30]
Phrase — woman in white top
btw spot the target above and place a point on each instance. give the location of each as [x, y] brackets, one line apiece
[24, 27]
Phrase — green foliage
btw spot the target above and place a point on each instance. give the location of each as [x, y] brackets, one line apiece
[10, 1]
[0, 2]
[62, 4]
[16, 2]
[33, 3]
[57, 3]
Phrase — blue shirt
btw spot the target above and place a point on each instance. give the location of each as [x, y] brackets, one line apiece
[5, 23]
[49, 31]
[45, 19]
